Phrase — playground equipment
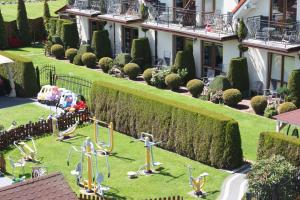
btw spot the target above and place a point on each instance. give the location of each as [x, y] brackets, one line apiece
[90, 187]
[148, 139]
[17, 164]
[66, 134]
[28, 153]
[197, 183]
[67, 99]
[12, 126]
[109, 146]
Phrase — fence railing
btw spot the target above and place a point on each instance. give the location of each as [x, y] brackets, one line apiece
[261, 28]
[41, 128]
[88, 197]
[191, 18]
[45, 75]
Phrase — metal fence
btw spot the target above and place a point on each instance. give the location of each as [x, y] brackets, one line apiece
[45, 75]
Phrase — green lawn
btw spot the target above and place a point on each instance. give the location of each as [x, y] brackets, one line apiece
[250, 125]
[128, 156]
[34, 10]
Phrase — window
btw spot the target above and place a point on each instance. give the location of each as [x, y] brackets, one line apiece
[284, 10]
[95, 26]
[182, 43]
[212, 55]
[128, 35]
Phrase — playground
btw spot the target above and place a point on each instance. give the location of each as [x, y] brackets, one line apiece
[128, 155]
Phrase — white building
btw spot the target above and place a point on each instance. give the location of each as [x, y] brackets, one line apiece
[207, 25]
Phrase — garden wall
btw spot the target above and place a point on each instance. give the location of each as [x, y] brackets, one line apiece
[279, 144]
[190, 131]
[23, 74]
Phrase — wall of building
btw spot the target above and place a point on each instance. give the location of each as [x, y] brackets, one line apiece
[230, 51]
[83, 28]
[197, 57]
[226, 5]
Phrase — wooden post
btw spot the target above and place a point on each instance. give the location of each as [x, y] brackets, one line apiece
[2, 163]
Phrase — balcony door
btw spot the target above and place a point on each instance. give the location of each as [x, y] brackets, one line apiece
[283, 11]
[128, 34]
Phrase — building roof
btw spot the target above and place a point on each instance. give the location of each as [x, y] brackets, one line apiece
[238, 6]
[52, 186]
[292, 117]
[62, 9]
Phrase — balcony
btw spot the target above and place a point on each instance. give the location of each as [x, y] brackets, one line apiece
[85, 8]
[272, 35]
[191, 22]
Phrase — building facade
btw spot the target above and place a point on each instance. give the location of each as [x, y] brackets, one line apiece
[208, 26]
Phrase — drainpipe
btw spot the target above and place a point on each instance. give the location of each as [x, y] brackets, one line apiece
[115, 39]
[155, 49]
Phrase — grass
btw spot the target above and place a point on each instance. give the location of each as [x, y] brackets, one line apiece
[34, 10]
[250, 125]
[128, 156]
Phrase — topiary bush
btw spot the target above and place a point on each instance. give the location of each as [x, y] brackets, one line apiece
[219, 83]
[195, 87]
[70, 54]
[158, 78]
[89, 59]
[58, 51]
[77, 60]
[55, 39]
[147, 75]
[294, 87]
[106, 64]
[173, 81]
[69, 35]
[84, 48]
[185, 60]
[238, 75]
[286, 107]
[101, 44]
[132, 70]
[122, 59]
[22, 23]
[270, 111]
[141, 52]
[3, 39]
[259, 104]
[232, 97]
[188, 130]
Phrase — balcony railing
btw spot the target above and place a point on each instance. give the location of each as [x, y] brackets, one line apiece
[191, 19]
[260, 28]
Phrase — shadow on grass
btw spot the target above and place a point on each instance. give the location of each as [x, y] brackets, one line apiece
[210, 193]
[122, 158]
[113, 194]
[7, 102]
[164, 172]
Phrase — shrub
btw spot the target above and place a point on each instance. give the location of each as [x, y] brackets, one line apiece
[217, 97]
[22, 23]
[52, 26]
[70, 54]
[270, 111]
[188, 130]
[132, 70]
[147, 75]
[101, 44]
[55, 39]
[89, 59]
[274, 177]
[58, 51]
[195, 87]
[219, 83]
[141, 52]
[232, 97]
[77, 60]
[185, 60]
[105, 64]
[84, 49]
[238, 75]
[46, 14]
[286, 107]
[122, 59]
[173, 81]
[259, 104]
[158, 78]
[3, 39]
[294, 87]
[24, 76]
[144, 11]
[69, 35]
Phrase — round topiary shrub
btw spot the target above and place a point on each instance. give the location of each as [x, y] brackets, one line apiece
[58, 51]
[232, 97]
[195, 87]
[219, 83]
[105, 64]
[70, 54]
[89, 59]
[259, 104]
[147, 75]
[286, 107]
[173, 81]
[77, 60]
[132, 70]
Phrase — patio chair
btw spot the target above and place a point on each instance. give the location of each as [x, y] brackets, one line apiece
[289, 36]
[17, 164]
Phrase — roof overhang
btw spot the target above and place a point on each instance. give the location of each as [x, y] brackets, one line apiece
[272, 46]
[292, 118]
[84, 13]
[122, 19]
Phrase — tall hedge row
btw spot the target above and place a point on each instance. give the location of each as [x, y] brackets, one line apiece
[279, 144]
[52, 26]
[190, 131]
[101, 44]
[22, 22]
[24, 76]
[294, 87]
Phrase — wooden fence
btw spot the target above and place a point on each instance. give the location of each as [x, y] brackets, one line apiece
[40, 128]
[87, 197]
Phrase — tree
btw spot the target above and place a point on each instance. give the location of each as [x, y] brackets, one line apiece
[47, 15]
[22, 22]
[274, 177]
[242, 34]
[3, 41]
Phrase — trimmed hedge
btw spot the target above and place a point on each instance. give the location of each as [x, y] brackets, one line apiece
[24, 76]
[106, 63]
[286, 107]
[52, 26]
[89, 59]
[70, 54]
[69, 35]
[77, 60]
[195, 87]
[191, 131]
[259, 104]
[173, 81]
[141, 52]
[84, 49]
[219, 83]
[3, 39]
[294, 87]
[58, 51]
[132, 70]
[122, 59]
[101, 44]
[185, 60]
[238, 75]
[147, 75]
[232, 97]
[271, 143]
